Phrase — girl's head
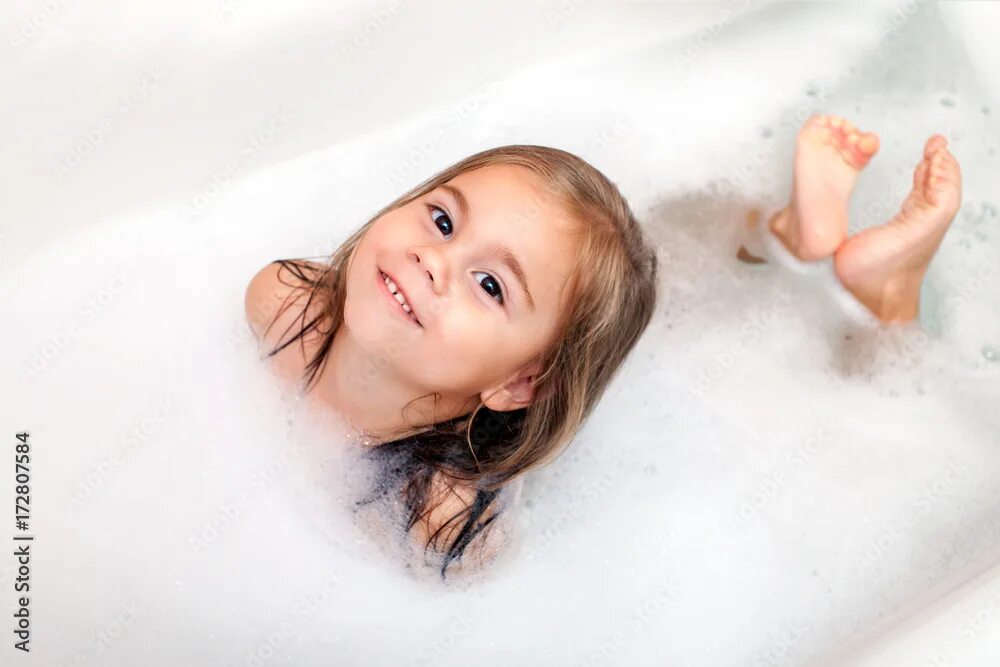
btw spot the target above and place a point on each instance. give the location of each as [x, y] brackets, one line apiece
[486, 256]
[531, 281]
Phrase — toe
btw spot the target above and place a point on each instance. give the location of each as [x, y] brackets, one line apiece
[940, 183]
[950, 163]
[868, 143]
[947, 171]
[859, 148]
[933, 144]
[920, 175]
[936, 170]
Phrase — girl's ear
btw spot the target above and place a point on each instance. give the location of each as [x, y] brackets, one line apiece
[517, 392]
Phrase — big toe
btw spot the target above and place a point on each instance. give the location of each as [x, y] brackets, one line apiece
[868, 143]
[860, 147]
[944, 182]
[933, 144]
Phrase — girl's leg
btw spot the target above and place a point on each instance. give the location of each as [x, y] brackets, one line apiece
[883, 266]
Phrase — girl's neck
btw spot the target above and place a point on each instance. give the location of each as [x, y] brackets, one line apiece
[371, 402]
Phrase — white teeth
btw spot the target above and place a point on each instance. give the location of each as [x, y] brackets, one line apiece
[395, 292]
[399, 297]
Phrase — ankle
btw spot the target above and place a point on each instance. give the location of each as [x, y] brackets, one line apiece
[779, 226]
[811, 246]
[900, 300]
[897, 302]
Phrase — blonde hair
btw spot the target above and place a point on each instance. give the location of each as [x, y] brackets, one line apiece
[611, 299]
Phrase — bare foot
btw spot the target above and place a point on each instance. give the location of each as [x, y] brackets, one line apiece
[883, 266]
[829, 153]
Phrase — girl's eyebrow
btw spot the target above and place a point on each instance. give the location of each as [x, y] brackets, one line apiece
[508, 258]
[502, 251]
[463, 203]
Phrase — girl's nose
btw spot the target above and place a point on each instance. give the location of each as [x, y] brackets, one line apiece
[432, 264]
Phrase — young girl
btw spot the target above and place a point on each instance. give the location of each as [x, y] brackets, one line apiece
[468, 329]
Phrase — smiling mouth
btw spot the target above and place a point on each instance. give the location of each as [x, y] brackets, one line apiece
[399, 298]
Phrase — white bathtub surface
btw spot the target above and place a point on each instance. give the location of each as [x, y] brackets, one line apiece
[762, 485]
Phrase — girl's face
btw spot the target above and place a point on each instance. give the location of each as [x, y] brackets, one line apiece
[482, 262]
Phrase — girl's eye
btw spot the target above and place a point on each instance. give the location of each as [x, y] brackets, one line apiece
[441, 219]
[491, 286]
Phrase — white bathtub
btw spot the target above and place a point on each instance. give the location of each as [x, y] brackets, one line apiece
[958, 621]
[235, 124]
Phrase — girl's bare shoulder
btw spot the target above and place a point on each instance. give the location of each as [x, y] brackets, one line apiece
[437, 528]
[276, 296]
